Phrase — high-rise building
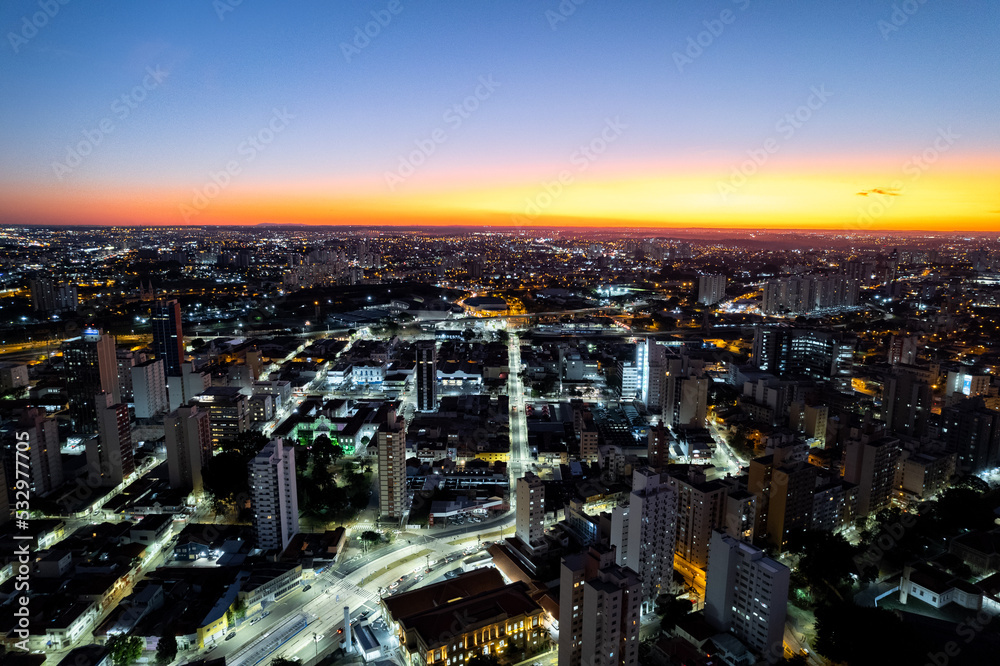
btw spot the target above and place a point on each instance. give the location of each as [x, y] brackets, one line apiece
[13, 376]
[643, 532]
[903, 349]
[746, 593]
[816, 354]
[126, 359]
[391, 438]
[168, 337]
[187, 386]
[907, 400]
[149, 389]
[803, 295]
[704, 506]
[784, 492]
[52, 298]
[658, 450]
[426, 376]
[599, 608]
[966, 384]
[188, 438]
[530, 518]
[653, 367]
[109, 457]
[91, 368]
[711, 289]
[273, 496]
[229, 408]
[627, 380]
[43, 451]
[973, 431]
[871, 464]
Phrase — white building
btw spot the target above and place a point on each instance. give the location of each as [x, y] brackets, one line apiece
[711, 289]
[149, 389]
[643, 533]
[273, 496]
[746, 593]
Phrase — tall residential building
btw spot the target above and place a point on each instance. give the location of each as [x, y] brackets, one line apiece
[871, 464]
[903, 349]
[126, 359]
[965, 384]
[109, 458]
[426, 376]
[802, 295]
[711, 289]
[52, 298]
[746, 593]
[817, 354]
[91, 368]
[391, 438]
[168, 337]
[658, 449]
[627, 380]
[653, 364]
[13, 376]
[973, 431]
[43, 450]
[643, 532]
[599, 608]
[273, 496]
[907, 400]
[188, 438]
[149, 389]
[530, 518]
[704, 506]
[187, 386]
[784, 492]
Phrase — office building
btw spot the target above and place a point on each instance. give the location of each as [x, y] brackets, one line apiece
[91, 368]
[168, 338]
[46, 471]
[530, 518]
[149, 389]
[800, 352]
[391, 444]
[109, 457]
[600, 604]
[711, 289]
[426, 376]
[643, 532]
[229, 409]
[746, 593]
[188, 439]
[273, 496]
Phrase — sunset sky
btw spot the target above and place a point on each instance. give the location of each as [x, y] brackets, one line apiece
[717, 113]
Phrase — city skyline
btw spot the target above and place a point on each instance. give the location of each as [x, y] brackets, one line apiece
[727, 114]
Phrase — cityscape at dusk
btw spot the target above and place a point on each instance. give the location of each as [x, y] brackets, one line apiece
[554, 333]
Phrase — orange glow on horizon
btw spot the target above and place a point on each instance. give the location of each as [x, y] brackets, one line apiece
[961, 195]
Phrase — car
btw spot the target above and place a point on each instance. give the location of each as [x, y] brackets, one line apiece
[365, 614]
[427, 570]
[394, 585]
[319, 637]
[265, 613]
[307, 588]
[231, 635]
[255, 620]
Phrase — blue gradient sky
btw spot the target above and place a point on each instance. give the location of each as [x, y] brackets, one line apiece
[354, 119]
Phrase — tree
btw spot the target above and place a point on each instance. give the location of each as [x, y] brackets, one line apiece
[336, 453]
[166, 649]
[672, 610]
[283, 661]
[125, 649]
[369, 537]
[468, 335]
[225, 480]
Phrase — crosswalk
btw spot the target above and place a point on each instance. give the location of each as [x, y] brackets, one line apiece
[342, 586]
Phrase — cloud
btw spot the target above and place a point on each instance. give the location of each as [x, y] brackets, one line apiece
[890, 192]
